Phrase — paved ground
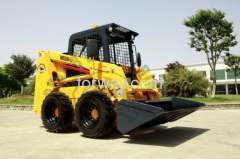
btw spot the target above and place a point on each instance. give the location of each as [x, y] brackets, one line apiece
[203, 134]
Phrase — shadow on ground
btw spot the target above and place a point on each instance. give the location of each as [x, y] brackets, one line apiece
[71, 130]
[158, 135]
[163, 136]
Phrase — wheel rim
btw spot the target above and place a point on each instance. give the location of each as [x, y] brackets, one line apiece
[88, 114]
[52, 113]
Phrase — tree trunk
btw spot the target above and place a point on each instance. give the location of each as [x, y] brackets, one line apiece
[236, 85]
[22, 87]
[7, 92]
[214, 83]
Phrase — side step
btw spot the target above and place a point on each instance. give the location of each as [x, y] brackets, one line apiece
[134, 114]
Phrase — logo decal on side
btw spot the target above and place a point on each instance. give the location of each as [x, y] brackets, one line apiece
[64, 58]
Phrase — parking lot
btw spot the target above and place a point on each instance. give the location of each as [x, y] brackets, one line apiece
[203, 134]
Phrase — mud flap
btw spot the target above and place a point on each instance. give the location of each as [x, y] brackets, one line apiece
[134, 114]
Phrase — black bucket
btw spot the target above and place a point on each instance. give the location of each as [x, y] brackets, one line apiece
[146, 113]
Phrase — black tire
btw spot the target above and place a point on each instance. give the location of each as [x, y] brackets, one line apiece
[90, 127]
[63, 119]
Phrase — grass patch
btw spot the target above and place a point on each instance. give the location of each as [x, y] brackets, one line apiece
[18, 99]
[217, 99]
[28, 100]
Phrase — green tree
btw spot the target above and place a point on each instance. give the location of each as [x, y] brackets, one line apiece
[7, 83]
[211, 33]
[21, 68]
[184, 83]
[233, 61]
[2, 81]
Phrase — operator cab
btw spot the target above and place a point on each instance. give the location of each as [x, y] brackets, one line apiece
[115, 45]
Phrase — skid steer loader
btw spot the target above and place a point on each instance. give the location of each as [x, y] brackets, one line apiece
[99, 85]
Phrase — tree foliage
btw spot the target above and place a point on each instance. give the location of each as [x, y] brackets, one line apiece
[174, 65]
[233, 61]
[184, 83]
[8, 84]
[21, 68]
[30, 88]
[211, 33]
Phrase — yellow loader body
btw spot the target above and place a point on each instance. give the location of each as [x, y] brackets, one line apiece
[97, 85]
[53, 62]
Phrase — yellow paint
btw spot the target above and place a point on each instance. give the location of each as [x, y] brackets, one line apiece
[74, 53]
[95, 26]
[74, 78]
[50, 63]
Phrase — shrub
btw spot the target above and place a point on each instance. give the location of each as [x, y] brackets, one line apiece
[185, 83]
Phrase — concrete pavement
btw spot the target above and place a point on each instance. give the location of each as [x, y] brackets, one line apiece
[203, 134]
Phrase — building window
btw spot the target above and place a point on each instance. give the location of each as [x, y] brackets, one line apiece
[220, 75]
[231, 88]
[204, 73]
[230, 75]
[220, 89]
[161, 77]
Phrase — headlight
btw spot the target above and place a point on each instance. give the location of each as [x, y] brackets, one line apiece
[132, 37]
[110, 29]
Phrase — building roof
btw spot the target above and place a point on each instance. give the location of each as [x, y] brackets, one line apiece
[188, 65]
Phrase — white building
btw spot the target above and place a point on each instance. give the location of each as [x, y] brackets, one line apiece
[225, 80]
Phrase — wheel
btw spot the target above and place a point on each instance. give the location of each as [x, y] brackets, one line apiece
[56, 112]
[94, 114]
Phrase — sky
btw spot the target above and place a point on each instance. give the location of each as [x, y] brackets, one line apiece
[28, 26]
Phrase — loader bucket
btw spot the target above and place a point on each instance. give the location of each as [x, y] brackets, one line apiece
[146, 113]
